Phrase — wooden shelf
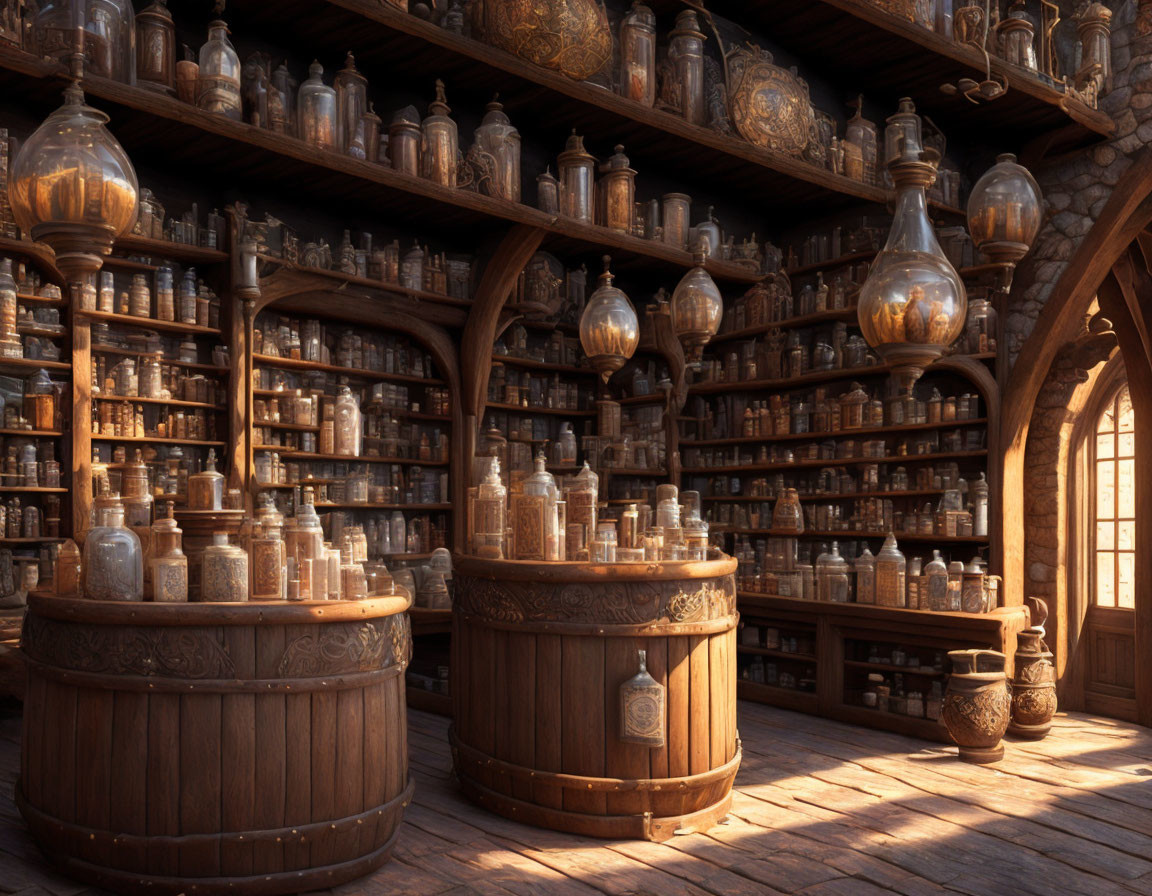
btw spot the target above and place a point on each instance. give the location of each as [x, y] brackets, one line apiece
[159, 440]
[290, 454]
[25, 298]
[859, 43]
[291, 427]
[116, 263]
[805, 379]
[651, 398]
[21, 366]
[854, 534]
[555, 412]
[628, 471]
[368, 282]
[169, 250]
[832, 263]
[148, 323]
[151, 123]
[787, 698]
[351, 505]
[350, 372]
[837, 462]
[31, 328]
[889, 667]
[884, 618]
[530, 364]
[836, 496]
[44, 540]
[788, 323]
[33, 489]
[779, 654]
[138, 353]
[40, 253]
[32, 433]
[868, 431]
[174, 402]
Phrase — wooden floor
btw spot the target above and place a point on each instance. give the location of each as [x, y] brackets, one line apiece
[822, 809]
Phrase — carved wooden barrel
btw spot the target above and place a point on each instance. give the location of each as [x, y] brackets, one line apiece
[539, 654]
[215, 748]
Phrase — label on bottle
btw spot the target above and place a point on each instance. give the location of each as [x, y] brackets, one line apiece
[529, 541]
[889, 585]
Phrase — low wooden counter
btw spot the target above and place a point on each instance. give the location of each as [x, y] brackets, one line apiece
[539, 651]
[256, 748]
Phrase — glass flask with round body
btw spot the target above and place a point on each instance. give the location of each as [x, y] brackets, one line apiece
[1004, 210]
[609, 328]
[219, 79]
[73, 186]
[113, 556]
[697, 308]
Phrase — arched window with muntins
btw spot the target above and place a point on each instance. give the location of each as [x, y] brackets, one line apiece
[1112, 505]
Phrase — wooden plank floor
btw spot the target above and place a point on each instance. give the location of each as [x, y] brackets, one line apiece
[822, 809]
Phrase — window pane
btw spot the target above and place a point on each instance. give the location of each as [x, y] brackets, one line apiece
[1105, 580]
[1105, 536]
[1127, 446]
[1126, 489]
[1104, 445]
[1107, 419]
[1127, 537]
[1126, 591]
[1105, 498]
[1126, 417]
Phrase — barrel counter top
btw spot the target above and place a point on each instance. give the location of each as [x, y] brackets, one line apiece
[244, 748]
[539, 654]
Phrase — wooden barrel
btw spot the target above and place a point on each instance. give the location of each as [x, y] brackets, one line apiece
[215, 748]
[539, 652]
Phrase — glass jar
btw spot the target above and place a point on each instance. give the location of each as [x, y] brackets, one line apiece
[441, 143]
[676, 213]
[788, 515]
[695, 537]
[832, 578]
[40, 401]
[316, 118]
[349, 429]
[219, 77]
[351, 107]
[404, 137]
[604, 545]
[499, 142]
[109, 35]
[156, 48]
[113, 557]
[934, 587]
[139, 297]
[686, 59]
[866, 577]
[616, 192]
[69, 570]
[581, 495]
[535, 517]
[10, 344]
[577, 177]
[206, 488]
[891, 588]
[269, 557]
[488, 514]
[638, 54]
[224, 572]
[167, 563]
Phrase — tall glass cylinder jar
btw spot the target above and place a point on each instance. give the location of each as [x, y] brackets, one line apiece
[156, 48]
[168, 564]
[351, 107]
[206, 488]
[316, 118]
[441, 142]
[577, 176]
[676, 213]
[866, 577]
[109, 35]
[891, 588]
[10, 344]
[832, 579]
[488, 514]
[638, 54]
[219, 79]
[616, 192]
[686, 55]
[499, 141]
[113, 557]
[404, 136]
[349, 429]
[224, 574]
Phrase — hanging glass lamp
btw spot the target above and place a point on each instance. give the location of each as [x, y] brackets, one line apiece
[609, 328]
[697, 308]
[1004, 211]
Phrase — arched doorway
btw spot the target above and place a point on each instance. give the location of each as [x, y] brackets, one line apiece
[1112, 266]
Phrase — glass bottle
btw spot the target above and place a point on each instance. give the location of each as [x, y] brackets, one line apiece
[109, 35]
[269, 558]
[581, 495]
[535, 517]
[676, 210]
[488, 514]
[696, 308]
[351, 107]
[139, 297]
[566, 446]
[113, 557]
[398, 532]
[616, 192]
[576, 169]
[866, 577]
[224, 571]
[605, 543]
[40, 401]
[1004, 210]
[156, 48]
[832, 582]
[304, 545]
[441, 144]
[10, 344]
[642, 708]
[167, 563]
[788, 515]
[861, 134]
[499, 141]
[891, 588]
[219, 78]
[609, 327]
[69, 570]
[979, 502]
[686, 58]
[638, 54]
[695, 537]
[316, 118]
[404, 138]
[349, 429]
[206, 488]
[934, 587]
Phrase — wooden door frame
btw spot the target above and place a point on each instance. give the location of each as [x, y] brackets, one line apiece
[1103, 266]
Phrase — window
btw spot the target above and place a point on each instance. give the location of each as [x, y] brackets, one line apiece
[1113, 505]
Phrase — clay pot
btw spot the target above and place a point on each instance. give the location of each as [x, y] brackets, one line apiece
[1034, 687]
[977, 705]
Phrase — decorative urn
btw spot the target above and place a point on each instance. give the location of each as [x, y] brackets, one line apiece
[977, 705]
[571, 36]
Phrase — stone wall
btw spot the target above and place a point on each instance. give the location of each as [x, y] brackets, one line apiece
[1077, 186]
